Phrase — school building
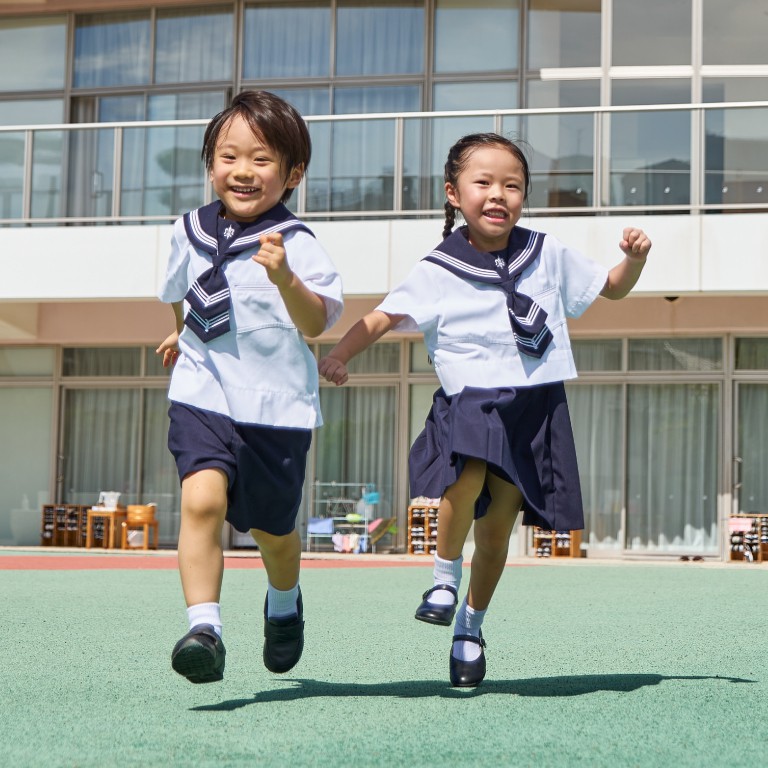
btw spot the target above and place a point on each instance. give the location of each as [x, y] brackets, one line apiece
[651, 114]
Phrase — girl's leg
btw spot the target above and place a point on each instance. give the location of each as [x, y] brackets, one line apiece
[455, 515]
[492, 532]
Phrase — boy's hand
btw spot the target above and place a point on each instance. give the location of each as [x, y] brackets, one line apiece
[169, 349]
[635, 244]
[333, 370]
[271, 256]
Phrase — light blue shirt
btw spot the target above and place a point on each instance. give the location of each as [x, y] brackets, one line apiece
[262, 371]
[466, 324]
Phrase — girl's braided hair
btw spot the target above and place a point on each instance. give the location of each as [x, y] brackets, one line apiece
[458, 155]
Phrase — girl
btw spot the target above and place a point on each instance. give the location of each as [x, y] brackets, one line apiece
[492, 301]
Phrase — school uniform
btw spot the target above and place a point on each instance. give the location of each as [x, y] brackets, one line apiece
[245, 392]
[495, 327]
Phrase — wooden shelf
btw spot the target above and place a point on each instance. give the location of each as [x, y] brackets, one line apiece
[556, 543]
[422, 529]
[748, 537]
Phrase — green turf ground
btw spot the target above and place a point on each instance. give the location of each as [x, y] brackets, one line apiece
[588, 665]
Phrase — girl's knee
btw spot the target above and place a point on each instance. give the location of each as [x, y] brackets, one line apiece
[278, 546]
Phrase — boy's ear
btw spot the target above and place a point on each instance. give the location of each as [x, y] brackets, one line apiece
[450, 193]
[295, 176]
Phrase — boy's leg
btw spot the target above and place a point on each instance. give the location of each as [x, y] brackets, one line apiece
[492, 532]
[455, 515]
[283, 608]
[199, 655]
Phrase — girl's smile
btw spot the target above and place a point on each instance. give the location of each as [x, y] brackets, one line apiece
[489, 192]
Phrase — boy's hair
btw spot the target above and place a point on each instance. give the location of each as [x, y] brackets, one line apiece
[274, 121]
[458, 155]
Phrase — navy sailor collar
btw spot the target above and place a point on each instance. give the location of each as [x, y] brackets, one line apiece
[207, 230]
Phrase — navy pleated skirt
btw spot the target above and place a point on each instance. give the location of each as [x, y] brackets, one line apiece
[523, 434]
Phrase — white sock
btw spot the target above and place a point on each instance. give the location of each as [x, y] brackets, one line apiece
[205, 613]
[468, 622]
[282, 603]
[446, 572]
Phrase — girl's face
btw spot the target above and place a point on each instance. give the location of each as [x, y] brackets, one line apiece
[489, 192]
[247, 175]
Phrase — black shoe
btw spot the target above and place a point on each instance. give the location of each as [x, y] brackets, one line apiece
[467, 674]
[437, 614]
[199, 655]
[283, 640]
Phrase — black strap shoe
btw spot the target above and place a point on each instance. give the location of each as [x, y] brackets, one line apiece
[283, 640]
[467, 674]
[200, 655]
[432, 613]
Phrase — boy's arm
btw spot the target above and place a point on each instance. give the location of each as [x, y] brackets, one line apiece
[306, 309]
[623, 277]
[169, 349]
[358, 338]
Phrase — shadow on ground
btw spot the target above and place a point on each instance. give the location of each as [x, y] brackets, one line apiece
[566, 685]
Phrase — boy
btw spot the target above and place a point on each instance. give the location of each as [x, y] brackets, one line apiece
[244, 391]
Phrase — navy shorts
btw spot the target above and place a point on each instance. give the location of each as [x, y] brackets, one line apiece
[265, 466]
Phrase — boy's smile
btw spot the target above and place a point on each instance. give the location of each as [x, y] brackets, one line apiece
[489, 192]
[247, 175]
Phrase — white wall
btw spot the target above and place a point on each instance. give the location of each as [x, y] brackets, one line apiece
[691, 254]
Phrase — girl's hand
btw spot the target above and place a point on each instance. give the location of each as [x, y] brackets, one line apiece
[271, 256]
[635, 244]
[333, 370]
[169, 349]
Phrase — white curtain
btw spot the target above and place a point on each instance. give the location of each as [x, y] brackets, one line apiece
[753, 447]
[672, 467]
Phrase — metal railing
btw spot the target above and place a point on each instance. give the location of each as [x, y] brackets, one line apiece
[689, 158]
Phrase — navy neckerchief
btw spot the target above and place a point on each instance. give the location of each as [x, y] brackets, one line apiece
[209, 298]
[527, 318]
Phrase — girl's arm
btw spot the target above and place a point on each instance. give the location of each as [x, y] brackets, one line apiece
[359, 337]
[623, 277]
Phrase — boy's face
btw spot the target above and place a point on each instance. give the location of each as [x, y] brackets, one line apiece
[247, 175]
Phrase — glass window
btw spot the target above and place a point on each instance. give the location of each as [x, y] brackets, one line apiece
[494, 94]
[308, 101]
[99, 451]
[598, 429]
[563, 93]
[193, 45]
[27, 361]
[625, 93]
[33, 53]
[654, 32]
[419, 406]
[476, 35]
[287, 39]
[384, 37]
[563, 33]
[112, 49]
[672, 467]
[752, 447]
[716, 89]
[561, 160]
[12, 155]
[650, 158]
[419, 358]
[736, 156]
[380, 98]
[98, 361]
[25, 413]
[47, 171]
[675, 355]
[383, 357]
[121, 109]
[153, 363]
[32, 112]
[597, 355]
[734, 32]
[752, 355]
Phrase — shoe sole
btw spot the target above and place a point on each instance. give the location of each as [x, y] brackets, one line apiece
[194, 661]
[436, 622]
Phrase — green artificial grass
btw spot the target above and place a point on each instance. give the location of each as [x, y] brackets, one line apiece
[588, 664]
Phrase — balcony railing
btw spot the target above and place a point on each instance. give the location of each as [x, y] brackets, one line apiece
[681, 158]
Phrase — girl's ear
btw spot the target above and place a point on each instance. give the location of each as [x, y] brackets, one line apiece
[452, 195]
[295, 177]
